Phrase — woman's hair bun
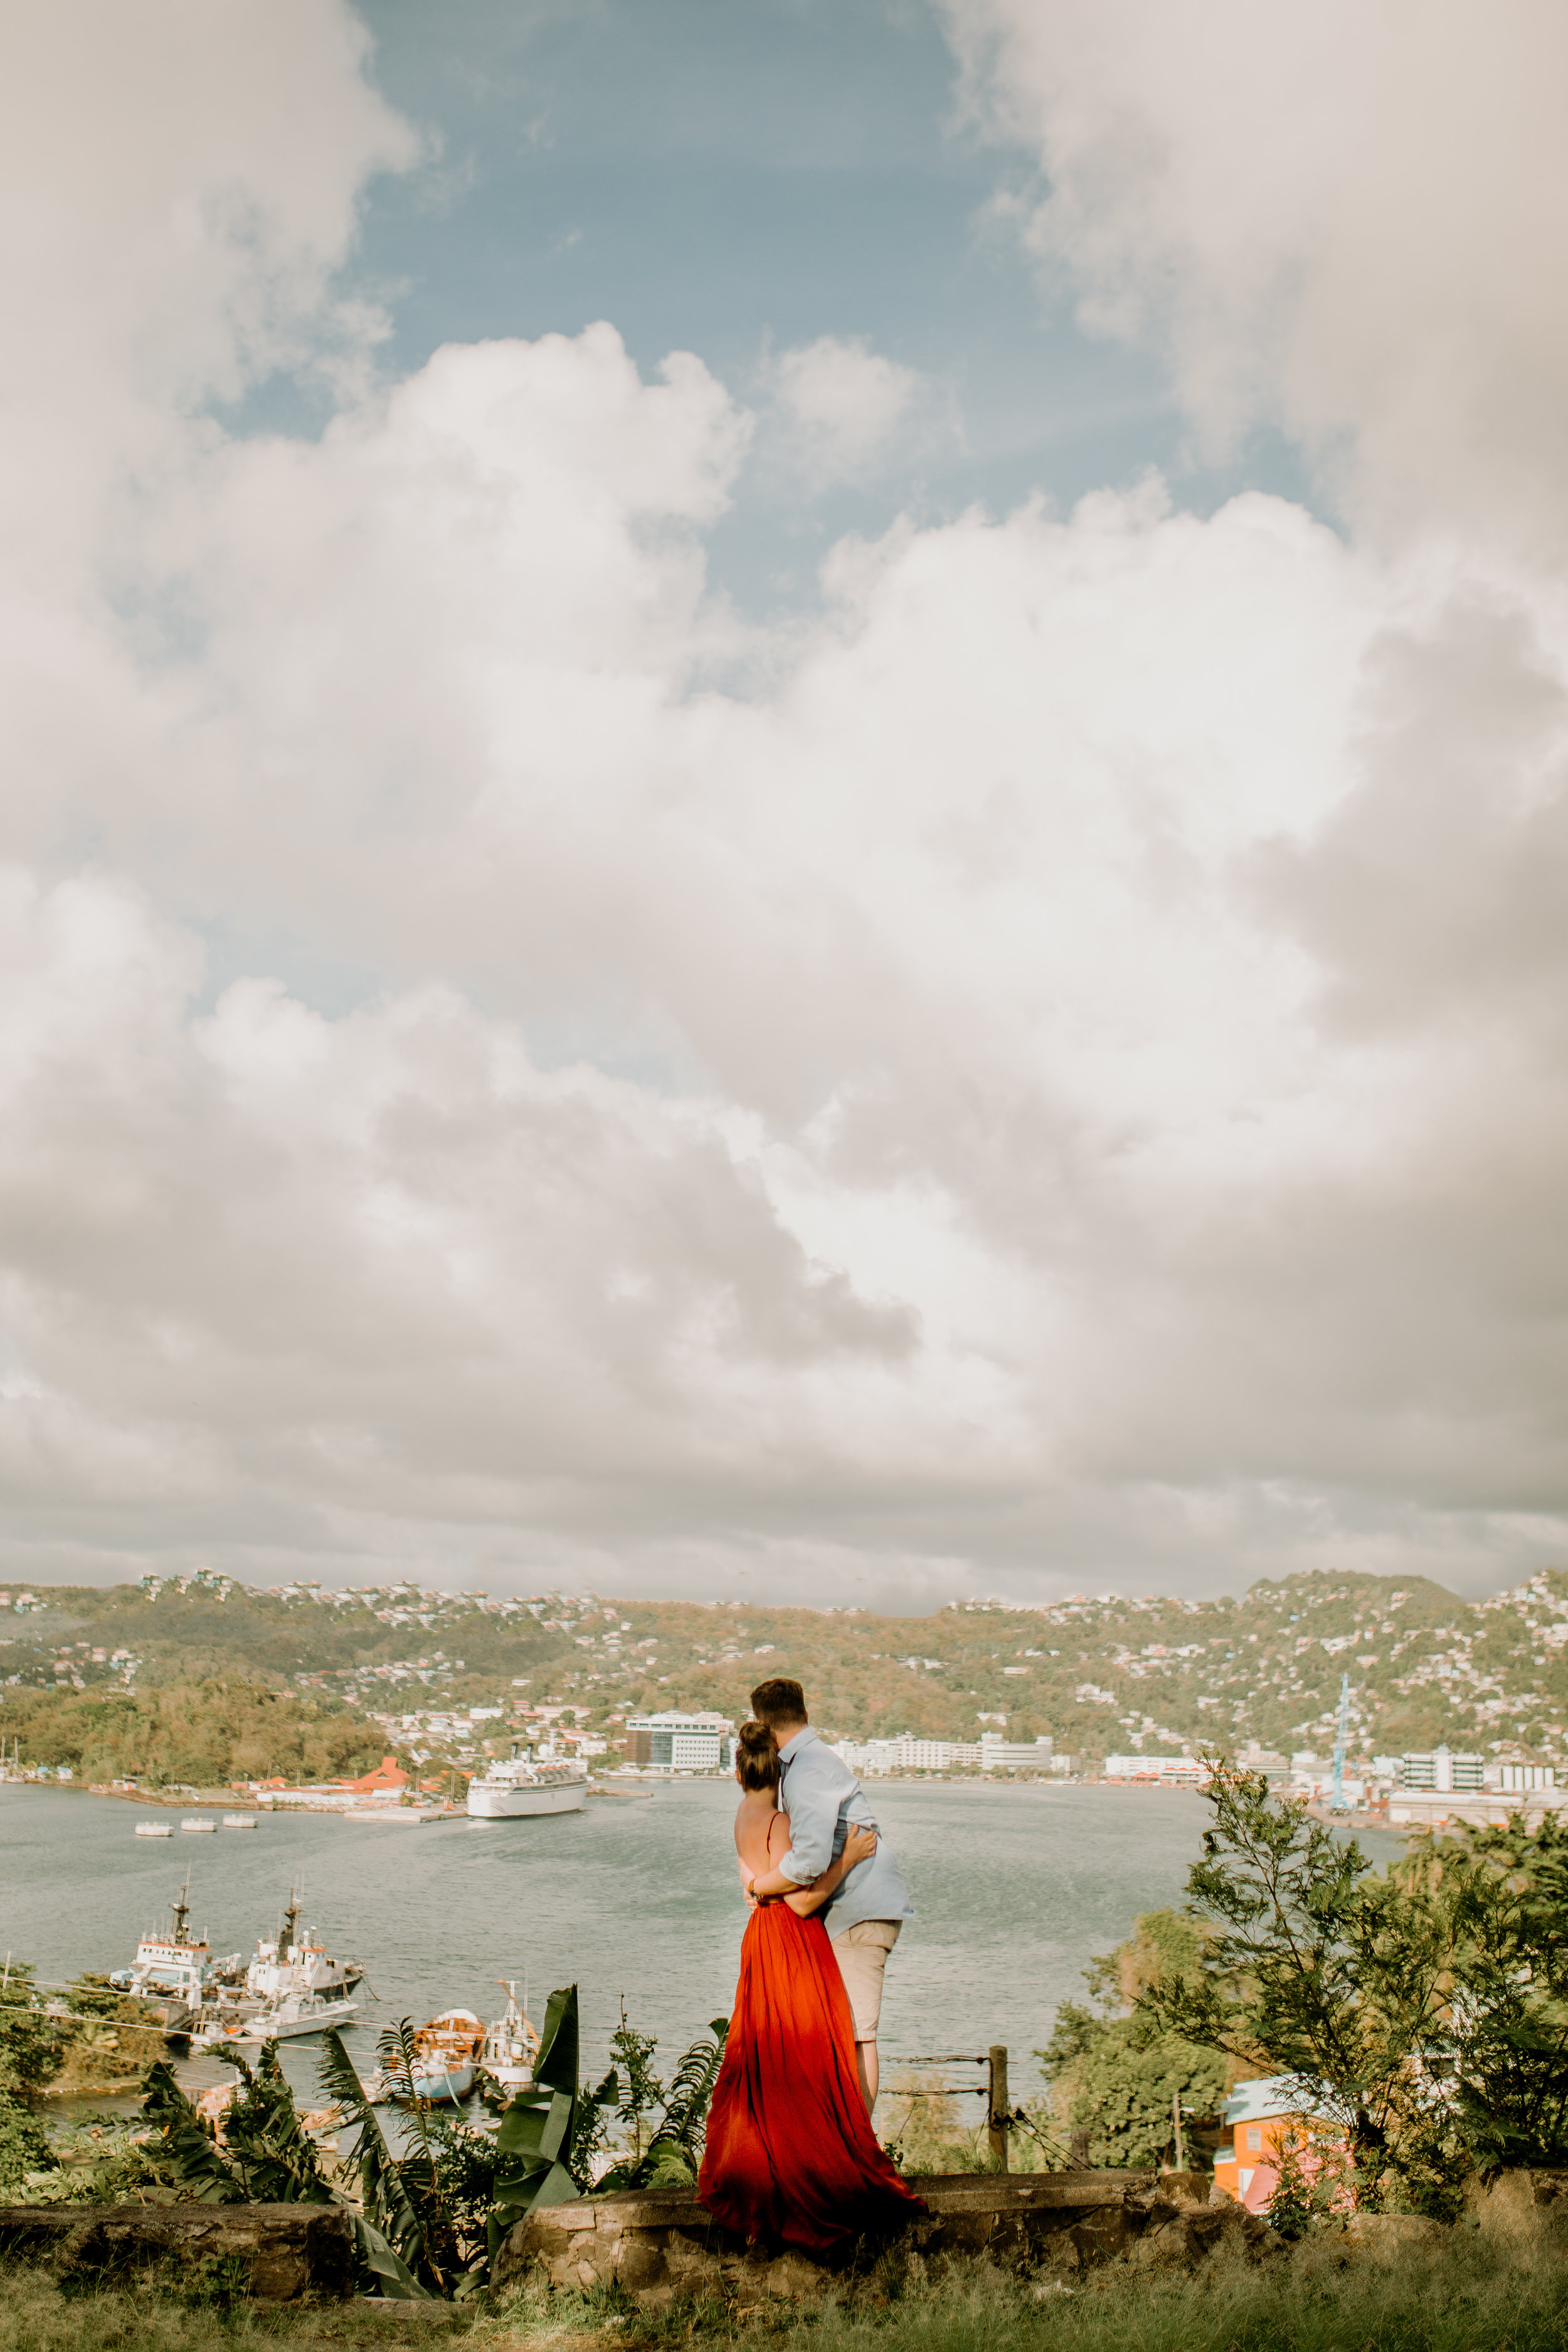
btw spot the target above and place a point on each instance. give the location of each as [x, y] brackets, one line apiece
[757, 1756]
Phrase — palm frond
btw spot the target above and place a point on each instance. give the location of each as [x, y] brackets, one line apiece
[390, 2219]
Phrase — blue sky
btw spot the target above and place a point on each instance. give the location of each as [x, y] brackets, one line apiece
[737, 177]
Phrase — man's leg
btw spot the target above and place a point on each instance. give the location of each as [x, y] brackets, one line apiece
[861, 1952]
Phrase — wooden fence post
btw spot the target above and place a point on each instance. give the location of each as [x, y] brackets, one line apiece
[1000, 2109]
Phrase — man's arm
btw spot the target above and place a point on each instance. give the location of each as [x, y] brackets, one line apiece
[815, 1797]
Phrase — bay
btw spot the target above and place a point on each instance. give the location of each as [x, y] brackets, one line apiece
[1016, 1888]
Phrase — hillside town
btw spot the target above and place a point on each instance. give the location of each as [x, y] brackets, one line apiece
[1433, 1703]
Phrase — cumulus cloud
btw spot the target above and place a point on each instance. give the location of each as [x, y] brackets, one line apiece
[1048, 1067]
[1344, 221]
[842, 402]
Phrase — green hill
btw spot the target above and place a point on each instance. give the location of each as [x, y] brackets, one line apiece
[1095, 1672]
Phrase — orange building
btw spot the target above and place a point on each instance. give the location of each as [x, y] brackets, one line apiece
[1260, 2116]
[387, 1778]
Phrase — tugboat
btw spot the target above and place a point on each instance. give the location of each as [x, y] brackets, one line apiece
[291, 1963]
[174, 1972]
[511, 2045]
[517, 1785]
[446, 2053]
[292, 1986]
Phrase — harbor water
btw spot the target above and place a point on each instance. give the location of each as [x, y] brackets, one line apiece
[1015, 1886]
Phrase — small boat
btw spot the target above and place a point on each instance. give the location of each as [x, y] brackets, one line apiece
[194, 1822]
[240, 1820]
[446, 2053]
[155, 1829]
[518, 1785]
[278, 2020]
[511, 2045]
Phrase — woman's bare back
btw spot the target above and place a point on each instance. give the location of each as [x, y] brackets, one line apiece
[762, 1836]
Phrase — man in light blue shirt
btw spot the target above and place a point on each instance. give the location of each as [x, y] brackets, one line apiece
[866, 1911]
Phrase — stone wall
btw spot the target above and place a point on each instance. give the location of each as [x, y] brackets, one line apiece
[290, 2252]
[659, 2244]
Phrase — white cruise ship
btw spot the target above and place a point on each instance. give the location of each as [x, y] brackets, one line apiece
[518, 1785]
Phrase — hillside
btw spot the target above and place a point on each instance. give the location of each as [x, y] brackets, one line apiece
[1097, 1673]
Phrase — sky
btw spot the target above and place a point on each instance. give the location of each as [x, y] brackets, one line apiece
[783, 812]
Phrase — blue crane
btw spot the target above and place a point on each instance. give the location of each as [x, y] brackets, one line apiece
[1339, 1805]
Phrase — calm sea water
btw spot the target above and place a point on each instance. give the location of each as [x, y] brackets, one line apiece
[1015, 1888]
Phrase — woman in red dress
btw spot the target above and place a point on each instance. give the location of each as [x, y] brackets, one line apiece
[791, 2157]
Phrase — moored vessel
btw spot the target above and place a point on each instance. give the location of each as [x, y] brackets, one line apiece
[155, 1829]
[283, 2020]
[511, 2045]
[518, 1785]
[292, 1986]
[446, 2053]
[170, 1972]
[292, 1963]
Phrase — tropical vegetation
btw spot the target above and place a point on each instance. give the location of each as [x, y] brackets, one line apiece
[192, 1734]
[1423, 2008]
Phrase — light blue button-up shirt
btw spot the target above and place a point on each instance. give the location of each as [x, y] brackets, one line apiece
[822, 1797]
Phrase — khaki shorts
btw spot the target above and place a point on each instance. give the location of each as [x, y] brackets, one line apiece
[861, 1952]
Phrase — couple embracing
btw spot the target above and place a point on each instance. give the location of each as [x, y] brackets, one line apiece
[790, 2156]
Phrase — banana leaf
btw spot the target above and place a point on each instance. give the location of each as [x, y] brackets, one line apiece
[534, 2142]
[185, 2146]
[383, 2262]
[390, 2236]
[264, 2139]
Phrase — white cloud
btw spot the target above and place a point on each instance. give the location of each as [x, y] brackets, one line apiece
[1344, 219]
[843, 402]
[1062, 1051]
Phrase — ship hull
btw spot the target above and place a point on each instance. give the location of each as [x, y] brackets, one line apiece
[288, 2028]
[439, 2083]
[488, 1803]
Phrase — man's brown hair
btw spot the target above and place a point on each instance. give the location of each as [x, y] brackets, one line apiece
[779, 1701]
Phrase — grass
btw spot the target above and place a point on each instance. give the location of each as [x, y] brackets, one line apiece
[1465, 2296]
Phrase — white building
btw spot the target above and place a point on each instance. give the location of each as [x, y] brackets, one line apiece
[1521, 1777]
[1441, 1769]
[908, 1754]
[673, 1742]
[1170, 1771]
[1036, 1754]
[990, 1753]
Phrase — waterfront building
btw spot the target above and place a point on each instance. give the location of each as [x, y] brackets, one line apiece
[1442, 1787]
[673, 1742]
[908, 1754]
[1036, 1754]
[1441, 1769]
[1168, 1772]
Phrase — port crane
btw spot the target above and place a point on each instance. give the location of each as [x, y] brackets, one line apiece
[1338, 1805]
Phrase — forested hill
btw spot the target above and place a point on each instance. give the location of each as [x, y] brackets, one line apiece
[1096, 1674]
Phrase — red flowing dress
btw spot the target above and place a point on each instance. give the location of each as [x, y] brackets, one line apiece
[790, 2156]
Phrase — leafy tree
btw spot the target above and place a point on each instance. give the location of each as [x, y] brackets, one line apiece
[1507, 2043]
[31, 2041]
[1313, 1967]
[1111, 2072]
[24, 2143]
